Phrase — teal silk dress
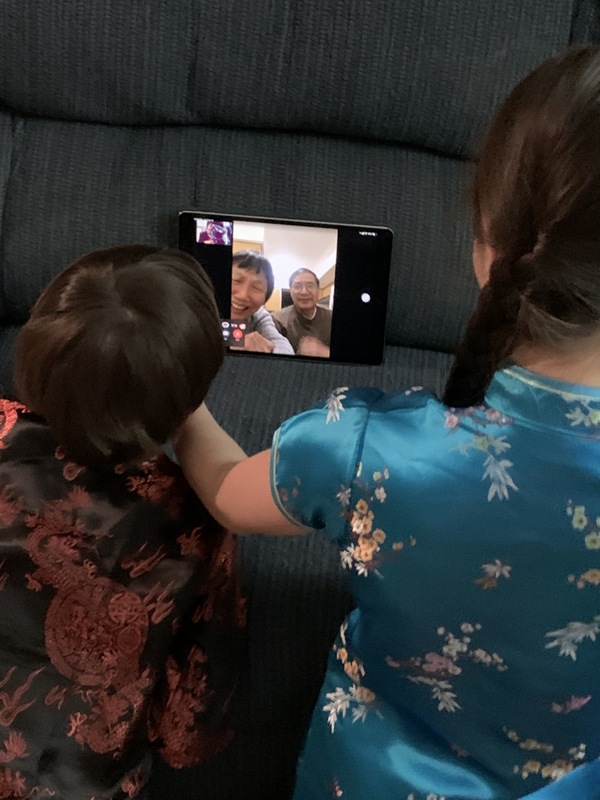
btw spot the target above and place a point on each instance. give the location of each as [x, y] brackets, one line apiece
[470, 667]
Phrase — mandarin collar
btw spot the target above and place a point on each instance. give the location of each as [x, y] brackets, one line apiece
[545, 403]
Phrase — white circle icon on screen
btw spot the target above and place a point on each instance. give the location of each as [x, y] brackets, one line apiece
[365, 297]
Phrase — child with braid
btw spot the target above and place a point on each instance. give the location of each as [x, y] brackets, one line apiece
[469, 528]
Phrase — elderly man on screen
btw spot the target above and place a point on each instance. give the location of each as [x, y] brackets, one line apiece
[305, 324]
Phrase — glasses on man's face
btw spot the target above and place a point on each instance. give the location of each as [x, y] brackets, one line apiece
[298, 287]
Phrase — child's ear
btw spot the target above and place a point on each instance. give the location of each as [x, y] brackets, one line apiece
[483, 258]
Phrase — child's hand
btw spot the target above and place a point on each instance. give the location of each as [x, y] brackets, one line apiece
[236, 490]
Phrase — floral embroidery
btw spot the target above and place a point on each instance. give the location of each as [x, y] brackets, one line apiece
[340, 700]
[452, 420]
[569, 637]
[581, 522]
[344, 495]
[572, 704]
[583, 415]
[380, 494]
[495, 468]
[430, 796]
[13, 747]
[284, 493]
[361, 699]
[13, 785]
[434, 669]
[492, 573]
[590, 576]
[591, 539]
[550, 770]
[364, 551]
[334, 404]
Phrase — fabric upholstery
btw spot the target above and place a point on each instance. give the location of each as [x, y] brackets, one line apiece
[115, 116]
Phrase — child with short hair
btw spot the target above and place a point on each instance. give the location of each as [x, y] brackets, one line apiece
[114, 580]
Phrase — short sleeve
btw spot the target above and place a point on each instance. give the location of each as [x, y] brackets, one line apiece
[314, 458]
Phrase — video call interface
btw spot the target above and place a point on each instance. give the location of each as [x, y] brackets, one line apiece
[286, 288]
[282, 284]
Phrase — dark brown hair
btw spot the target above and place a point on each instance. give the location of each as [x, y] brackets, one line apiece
[536, 202]
[120, 348]
[253, 260]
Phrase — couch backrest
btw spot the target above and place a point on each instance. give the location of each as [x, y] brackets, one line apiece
[114, 116]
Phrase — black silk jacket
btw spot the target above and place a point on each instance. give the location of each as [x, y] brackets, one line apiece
[119, 621]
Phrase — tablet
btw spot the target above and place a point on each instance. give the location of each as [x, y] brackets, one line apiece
[295, 289]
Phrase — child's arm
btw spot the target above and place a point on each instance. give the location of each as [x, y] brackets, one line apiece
[234, 488]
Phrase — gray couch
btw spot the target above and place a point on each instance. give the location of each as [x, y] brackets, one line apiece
[116, 115]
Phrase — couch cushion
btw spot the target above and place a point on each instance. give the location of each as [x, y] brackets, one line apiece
[417, 72]
[72, 187]
[405, 84]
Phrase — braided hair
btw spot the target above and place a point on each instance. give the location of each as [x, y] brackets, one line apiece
[536, 203]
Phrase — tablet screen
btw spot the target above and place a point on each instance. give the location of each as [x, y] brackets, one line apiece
[292, 288]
